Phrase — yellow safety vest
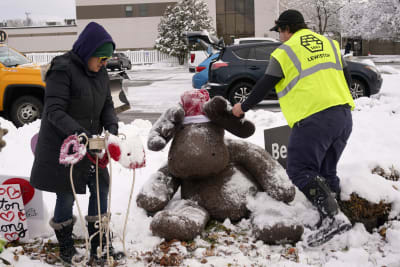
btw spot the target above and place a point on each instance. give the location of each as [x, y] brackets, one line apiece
[313, 76]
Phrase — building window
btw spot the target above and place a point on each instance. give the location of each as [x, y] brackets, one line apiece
[122, 11]
[129, 11]
[143, 10]
[235, 19]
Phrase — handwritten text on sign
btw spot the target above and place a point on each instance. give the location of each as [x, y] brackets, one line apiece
[13, 224]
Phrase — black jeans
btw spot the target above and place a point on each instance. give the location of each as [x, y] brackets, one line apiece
[65, 200]
[316, 144]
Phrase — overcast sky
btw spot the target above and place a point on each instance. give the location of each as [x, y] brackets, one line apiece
[38, 9]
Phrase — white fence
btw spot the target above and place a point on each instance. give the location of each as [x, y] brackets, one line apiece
[136, 57]
[150, 57]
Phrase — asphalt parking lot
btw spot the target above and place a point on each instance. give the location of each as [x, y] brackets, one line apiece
[152, 91]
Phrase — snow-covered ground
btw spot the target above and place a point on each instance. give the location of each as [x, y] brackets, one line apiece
[374, 142]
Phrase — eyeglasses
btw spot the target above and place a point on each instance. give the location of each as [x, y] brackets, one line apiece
[103, 59]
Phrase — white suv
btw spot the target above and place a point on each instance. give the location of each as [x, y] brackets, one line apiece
[207, 46]
[195, 58]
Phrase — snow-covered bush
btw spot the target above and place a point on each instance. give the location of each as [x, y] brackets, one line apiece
[186, 15]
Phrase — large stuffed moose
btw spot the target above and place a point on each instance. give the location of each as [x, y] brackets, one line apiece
[215, 175]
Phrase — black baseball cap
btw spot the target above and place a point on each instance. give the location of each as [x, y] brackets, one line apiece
[288, 17]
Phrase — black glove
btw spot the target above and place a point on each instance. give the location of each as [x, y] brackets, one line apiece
[113, 129]
[83, 138]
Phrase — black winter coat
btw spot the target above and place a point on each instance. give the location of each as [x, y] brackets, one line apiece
[76, 100]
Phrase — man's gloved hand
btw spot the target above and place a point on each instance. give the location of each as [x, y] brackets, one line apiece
[237, 110]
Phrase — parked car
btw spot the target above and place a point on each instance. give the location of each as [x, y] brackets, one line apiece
[195, 58]
[119, 61]
[202, 49]
[21, 87]
[201, 76]
[238, 67]
[250, 40]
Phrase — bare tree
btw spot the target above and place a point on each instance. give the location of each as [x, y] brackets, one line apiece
[372, 19]
[320, 15]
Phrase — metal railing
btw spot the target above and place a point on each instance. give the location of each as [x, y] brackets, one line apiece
[136, 57]
[41, 58]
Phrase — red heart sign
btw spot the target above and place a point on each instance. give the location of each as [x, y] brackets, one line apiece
[13, 193]
[27, 190]
[11, 236]
[9, 216]
[21, 216]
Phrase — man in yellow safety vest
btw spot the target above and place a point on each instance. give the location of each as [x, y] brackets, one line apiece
[312, 82]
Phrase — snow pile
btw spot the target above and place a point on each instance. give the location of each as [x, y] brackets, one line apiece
[388, 70]
[374, 142]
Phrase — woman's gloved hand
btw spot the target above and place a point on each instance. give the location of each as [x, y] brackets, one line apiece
[113, 129]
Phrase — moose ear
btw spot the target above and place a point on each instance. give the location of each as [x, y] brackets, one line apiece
[165, 127]
[115, 151]
[219, 111]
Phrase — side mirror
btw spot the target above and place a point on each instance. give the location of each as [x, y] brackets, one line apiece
[221, 42]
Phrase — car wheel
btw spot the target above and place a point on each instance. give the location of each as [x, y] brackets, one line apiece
[239, 92]
[129, 66]
[26, 109]
[358, 89]
[121, 66]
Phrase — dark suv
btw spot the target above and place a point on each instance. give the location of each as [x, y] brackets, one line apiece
[238, 67]
[119, 61]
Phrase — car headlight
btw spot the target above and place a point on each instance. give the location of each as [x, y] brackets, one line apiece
[374, 69]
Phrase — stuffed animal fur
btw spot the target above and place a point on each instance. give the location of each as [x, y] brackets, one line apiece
[215, 175]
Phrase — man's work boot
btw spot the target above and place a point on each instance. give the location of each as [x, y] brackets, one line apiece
[319, 194]
[330, 227]
[63, 232]
[332, 221]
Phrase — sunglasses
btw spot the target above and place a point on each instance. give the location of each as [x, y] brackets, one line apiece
[103, 59]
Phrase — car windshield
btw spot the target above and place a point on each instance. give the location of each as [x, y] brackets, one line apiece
[11, 58]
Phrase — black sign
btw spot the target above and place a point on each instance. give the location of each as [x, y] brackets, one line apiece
[276, 142]
[3, 36]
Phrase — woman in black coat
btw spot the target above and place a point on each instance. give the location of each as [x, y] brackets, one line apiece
[77, 100]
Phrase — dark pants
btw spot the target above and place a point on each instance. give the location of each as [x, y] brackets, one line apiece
[316, 144]
[65, 200]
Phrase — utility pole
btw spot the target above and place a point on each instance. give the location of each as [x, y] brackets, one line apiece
[28, 21]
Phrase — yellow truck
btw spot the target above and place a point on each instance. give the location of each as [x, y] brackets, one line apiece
[21, 87]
